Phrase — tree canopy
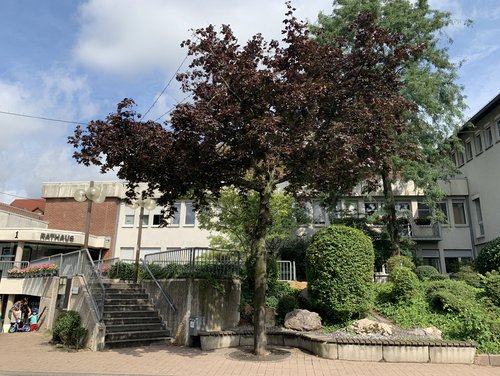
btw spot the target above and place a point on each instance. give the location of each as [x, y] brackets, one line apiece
[429, 84]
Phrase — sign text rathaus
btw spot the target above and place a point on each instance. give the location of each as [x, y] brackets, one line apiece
[57, 237]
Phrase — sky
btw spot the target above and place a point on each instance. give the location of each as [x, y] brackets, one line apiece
[74, 60]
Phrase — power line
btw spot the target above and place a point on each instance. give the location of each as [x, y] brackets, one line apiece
[9, 194]
[171, 108]
[41, 117]
[166, 86]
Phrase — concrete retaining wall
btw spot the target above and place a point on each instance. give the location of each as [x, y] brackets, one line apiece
[352, 349]
[215, 304]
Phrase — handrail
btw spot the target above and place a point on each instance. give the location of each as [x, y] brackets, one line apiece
[95, 279]
[144, 263]
[76, 267]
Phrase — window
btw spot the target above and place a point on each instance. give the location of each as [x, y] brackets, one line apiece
[190, 214]
[488, 134]
[157, 219]
[460, 158]
[443, 207]
[129, 220]
[371, 208]
[145, 220]
[452, 264]
[468, 150]
[479, 216]
[175, 220]
[318, 214]
[498, 130]
[478, 143]
[403, 209]
[423, 211]
[459, 212]
[454, 158]
[432, 261]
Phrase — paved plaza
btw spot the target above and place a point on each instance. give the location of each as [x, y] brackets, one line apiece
[31, 354]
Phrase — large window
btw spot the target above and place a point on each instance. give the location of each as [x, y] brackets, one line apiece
[175, 220]
[371, 208]
[319, 217]
[190, 214]
[443, 207]
[423, 211]
[460, 158]
[459, 212]
[479, 216]
[157, 219]
[468, 150]
[488, 134]
[478, 141]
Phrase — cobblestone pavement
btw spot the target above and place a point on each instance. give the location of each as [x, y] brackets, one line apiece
[31, 354]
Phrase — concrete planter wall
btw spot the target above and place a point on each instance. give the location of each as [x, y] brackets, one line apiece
[407, 351]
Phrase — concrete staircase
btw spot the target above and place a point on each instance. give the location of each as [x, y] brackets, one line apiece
[130, 317]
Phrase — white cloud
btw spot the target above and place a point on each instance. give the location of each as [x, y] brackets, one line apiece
[131, 37]
[33, 150]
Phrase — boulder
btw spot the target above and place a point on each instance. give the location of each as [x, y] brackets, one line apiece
[433, 332]
[303, 320]
[367, 326]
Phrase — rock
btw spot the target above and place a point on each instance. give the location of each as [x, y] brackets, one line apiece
[303, 320]
[367, 326]
[433, 332]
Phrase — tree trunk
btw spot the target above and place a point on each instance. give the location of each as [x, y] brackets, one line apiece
[392, 219]
[260, 339]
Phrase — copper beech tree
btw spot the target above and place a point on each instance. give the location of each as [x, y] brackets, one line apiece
[319, 117]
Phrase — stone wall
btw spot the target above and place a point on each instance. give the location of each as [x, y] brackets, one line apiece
[214, 304]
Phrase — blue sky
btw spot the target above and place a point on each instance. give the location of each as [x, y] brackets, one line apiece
[75, 60]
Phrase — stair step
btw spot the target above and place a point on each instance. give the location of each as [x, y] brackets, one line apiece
[127, 291]
[127, 307]
[136, 335]
[131, 314]
[113, 321]
[140, 327]
[126, 301]
[121, 285]
[135, 295]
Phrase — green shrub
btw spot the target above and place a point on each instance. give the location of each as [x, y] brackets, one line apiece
[405, 284]
[469, 276]
[426, 272]
[489, 257]
[340, 263]
[68, 330]
[396, 261]
[492, 287]
[286, 303]
[122, 270]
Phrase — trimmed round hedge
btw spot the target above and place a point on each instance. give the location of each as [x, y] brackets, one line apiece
[427, 272]
[340, 263]
[489, 257]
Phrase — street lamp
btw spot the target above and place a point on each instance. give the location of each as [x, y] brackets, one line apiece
[91, 194]
[149, 204]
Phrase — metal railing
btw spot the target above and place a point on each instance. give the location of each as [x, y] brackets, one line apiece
[162, 291]
[80, 263]
[5, 266]
[196, 261]
[287, 271]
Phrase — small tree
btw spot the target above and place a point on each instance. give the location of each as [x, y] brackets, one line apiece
[340, 263]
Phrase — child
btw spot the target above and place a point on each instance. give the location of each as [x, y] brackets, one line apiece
[33, 318]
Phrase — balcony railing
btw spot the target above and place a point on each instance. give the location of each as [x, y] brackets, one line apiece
[421, 232]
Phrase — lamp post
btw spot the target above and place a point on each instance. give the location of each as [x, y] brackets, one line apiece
[91, 194]
[149, 204]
